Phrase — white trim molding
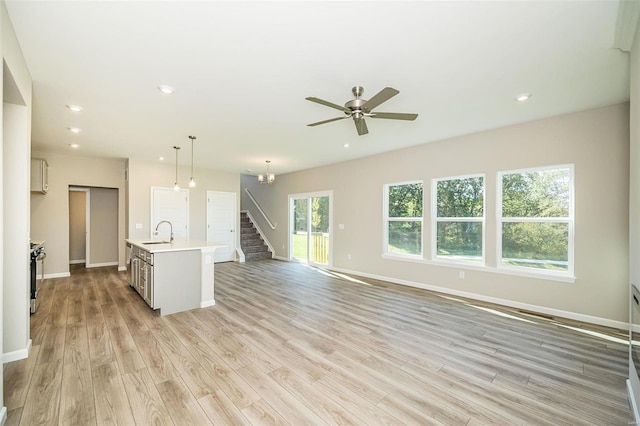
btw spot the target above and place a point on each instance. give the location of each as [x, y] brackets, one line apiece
[504, 302]
[17, 355]
[100, 265]
[57, 275]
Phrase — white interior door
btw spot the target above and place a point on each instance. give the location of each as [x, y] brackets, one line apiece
[222, 217]
[171, 205]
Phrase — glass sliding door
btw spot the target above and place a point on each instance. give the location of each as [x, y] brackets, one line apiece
[311, 227]
[300, 229]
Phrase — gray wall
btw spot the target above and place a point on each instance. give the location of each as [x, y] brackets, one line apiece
[103, 227]
[77, 226]
[596, 141]
[50, 212]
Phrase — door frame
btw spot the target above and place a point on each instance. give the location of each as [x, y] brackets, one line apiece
[309, 196]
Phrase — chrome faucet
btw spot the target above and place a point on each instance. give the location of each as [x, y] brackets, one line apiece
[165, 221]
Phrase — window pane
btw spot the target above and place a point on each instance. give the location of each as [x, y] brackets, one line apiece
[405, 200]
[405, 238]
[460, 197]
[459, 240]
[539, 245]
[300, 238]
[541, 193]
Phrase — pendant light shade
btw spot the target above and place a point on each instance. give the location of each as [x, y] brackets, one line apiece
[176, 187]
[192, 181]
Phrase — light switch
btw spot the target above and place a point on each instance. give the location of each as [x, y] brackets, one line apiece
[138, 226]
[341, 226]
[207, 259]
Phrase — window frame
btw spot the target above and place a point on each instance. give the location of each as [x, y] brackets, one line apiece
[435, 219]
[569, 220]
[386, 220]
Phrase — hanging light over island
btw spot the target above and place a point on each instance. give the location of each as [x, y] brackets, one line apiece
[192, 181]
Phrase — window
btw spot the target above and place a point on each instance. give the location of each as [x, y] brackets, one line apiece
[536, 219]
[458, 217]
[403, 219]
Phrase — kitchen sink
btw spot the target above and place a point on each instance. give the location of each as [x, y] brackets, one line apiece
[156, 242]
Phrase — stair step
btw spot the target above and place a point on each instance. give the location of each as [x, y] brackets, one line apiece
[256, 249]
[257, 256]
[251, 241]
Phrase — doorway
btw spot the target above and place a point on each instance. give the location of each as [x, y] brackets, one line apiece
[310, 227]
[93, 226]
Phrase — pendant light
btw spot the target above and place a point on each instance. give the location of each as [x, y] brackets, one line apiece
[192, 181]
[267, 178]
[176, 187]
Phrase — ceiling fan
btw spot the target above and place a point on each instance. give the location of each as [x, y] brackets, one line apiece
[359, 108]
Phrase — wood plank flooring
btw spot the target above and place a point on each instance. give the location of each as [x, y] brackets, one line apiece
[287, 344]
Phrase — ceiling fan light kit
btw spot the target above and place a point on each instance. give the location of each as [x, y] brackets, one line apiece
[268, 177]
[358, 109]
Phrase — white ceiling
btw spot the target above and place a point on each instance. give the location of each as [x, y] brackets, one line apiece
[241, 72]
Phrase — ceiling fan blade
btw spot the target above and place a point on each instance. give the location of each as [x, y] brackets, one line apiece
[329, 104]
[380, 97]
[328, 121]
[361, 126]
[394, 115]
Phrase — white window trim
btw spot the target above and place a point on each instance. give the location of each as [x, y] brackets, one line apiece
[570, 220]
[434, 221]
[386, 219]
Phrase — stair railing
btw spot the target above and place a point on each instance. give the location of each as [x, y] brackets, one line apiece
[272, 225]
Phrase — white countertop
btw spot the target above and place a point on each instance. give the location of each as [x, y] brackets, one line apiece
[176, 245]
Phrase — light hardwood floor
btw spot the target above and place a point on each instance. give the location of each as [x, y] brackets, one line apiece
[289, 344]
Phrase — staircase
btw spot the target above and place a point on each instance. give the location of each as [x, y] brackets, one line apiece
[251, 242]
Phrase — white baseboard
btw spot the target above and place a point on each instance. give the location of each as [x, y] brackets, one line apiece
[17, 355]
[505, 302]
[632, 403]
[58, 275]
[3, 415]
[207, 303]
[75, 262]
[100, 265]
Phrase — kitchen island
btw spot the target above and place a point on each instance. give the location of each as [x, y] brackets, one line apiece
[173, 276]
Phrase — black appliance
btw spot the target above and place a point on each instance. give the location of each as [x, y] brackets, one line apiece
[37, 255]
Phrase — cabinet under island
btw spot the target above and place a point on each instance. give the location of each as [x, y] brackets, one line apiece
[173, 276]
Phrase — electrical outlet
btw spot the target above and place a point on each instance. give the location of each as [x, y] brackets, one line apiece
[349, 256]
[461, 274]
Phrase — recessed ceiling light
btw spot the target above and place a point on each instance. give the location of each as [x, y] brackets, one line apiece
[74, 129]
[166, 89]
[75, 108]
[74, 145]
[161, 158]
[346, 145]
[523, 97]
